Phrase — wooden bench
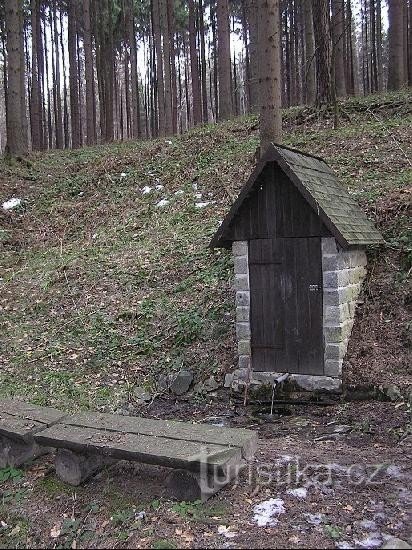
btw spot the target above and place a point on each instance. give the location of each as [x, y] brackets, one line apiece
[19, 422]
[203, 458]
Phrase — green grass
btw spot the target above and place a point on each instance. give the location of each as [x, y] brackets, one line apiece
[102, 291]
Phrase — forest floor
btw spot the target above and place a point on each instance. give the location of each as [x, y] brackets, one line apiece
[107, 282]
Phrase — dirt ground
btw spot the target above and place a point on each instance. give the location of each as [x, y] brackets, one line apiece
[339, 476]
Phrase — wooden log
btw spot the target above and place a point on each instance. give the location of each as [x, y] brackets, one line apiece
[75, 468]
[15, 453]
[188, 486]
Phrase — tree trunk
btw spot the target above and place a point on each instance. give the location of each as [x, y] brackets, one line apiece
[164, 26]
[88, 64]
[172, 38]
[16, 119]
[73, 67]
[396, 75]
[223, 42]
[338, 11]
[157, 38]
[194, 65]
[379, 44]
[58, 107]
[252, 16]
[270, 74]
[203, 61]
[35, 102]
[324, 93]
[310, 63]
[410, 45]
[136, 130]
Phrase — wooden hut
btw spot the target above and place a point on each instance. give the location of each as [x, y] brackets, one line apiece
[298, 239]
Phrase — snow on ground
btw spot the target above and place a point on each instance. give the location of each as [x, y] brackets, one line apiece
[11, 203]
[267, 512]
[162, 203]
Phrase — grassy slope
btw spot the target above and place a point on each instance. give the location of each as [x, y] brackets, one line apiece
[101, 290]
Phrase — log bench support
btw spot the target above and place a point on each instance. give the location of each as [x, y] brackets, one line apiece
[75, 468]
[15, 453]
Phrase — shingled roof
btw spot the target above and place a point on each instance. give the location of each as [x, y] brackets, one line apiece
[320, 187]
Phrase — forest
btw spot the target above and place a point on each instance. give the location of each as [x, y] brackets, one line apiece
[85, 71]
[205, 274]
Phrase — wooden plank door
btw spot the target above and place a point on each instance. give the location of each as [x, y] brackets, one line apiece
[286, 305]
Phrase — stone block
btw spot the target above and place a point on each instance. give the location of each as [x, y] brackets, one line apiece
[244, 362]
[331, 298]
[333, 334]
[358, 258]
[242, 282]
[317, 383]
[333, 368]
[335, 352]
[242, 298]
[244, 348]
[240, 248]
[242, 314]
[335, 279]
[241, 265]
[329, 246]
[243, 331]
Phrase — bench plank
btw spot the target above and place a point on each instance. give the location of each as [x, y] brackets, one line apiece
[162, 451]
[20, 420]
[44, 415]
[240, 438]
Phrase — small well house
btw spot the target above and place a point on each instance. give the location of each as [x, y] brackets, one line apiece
[298, 240]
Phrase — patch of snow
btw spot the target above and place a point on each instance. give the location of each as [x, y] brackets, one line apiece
[11, 203]
[194, 186]
[368, 525]
[299, 492]
[283, 459]
[374, 540]
[180, 192]
[267, 512]
[162, 203]
[198, 195]
[169, 142]
[146, 190]
[394, 472]
[314, 519]
[202, 204]
[141, 515]
[226, 532]
[123, 175]
[159, 187]
[344, 545]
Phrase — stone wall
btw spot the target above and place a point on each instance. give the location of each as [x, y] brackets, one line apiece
[343, 275]
[241, 259]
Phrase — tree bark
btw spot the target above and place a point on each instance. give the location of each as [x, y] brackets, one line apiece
[73, 67]
[310, 63]
[252, 15]
[164, 26]
[194, 65]
[88, 63]
[203, 62]
[58, 106]
[223, 41]
[270, 74]
[35, 102]
[338, 10]
[16, 119]
[396, 75]
[324, 92]
[157, 38]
